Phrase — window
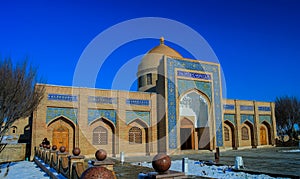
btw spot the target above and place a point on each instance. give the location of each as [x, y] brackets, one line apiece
[100, 136]
[14, 129]
[140, 82]
[245, 133]
[149, 79]
[135, 135]
[226, 133]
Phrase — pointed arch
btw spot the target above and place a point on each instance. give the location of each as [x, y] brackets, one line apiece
[230, 135]
[197, 91]
[247, 134]
[265, 133]
[140, 122]
[61, 117]
[105, 120]
[61, 132]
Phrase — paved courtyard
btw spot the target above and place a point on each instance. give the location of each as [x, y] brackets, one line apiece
[268, 160]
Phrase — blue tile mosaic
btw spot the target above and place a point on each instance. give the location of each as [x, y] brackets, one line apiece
[102, 100]
[68, 113]
[246, 108]
[185, 85]
[194, 75]
[265, 118]
[264, 108]
[62, 97]
[138, 102]
[230, 117]
[246, 117]
[171, 96]
[108, 114]
[142, 115]
[228, 107]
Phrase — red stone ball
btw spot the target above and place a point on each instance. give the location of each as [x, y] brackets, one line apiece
[62, 149]
[44, 146]
[100, 154]
[54, 147]
[97, 173]
[48, 146]
[76, 151]
[41, 145]
[161, 163]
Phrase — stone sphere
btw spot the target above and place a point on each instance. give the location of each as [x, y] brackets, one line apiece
[44, 146]
[97, 173]
[161, 163]
[100, 154]
[41, 145]
[54, 147]
[62, 149]
[48, 146]
[76, 151]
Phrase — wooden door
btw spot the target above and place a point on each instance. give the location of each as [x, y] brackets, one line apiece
[263, 136]
[60, 137]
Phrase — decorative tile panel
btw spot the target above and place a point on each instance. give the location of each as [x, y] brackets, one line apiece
[246, 108]
[94, 114]
[62, 97]
[185, 85]
[228, 107]
[213, 69]
[138, 102]
[264, 108]
[142, 115]
[245, 117]
[69, 113]
[202, 76]
[266, 118]
[230, 117]
[102, 100]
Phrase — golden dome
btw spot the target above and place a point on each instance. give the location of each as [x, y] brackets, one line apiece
[164, 50]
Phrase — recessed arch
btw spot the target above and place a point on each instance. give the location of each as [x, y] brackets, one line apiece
[265, 133]
[109, 135]
[61, 132]
[231, 134]
[250, 130]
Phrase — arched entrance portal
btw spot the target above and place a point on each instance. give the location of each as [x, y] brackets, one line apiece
[265, 134]
[187, 134]
[62, 132]
[195, 125]
[60, 137]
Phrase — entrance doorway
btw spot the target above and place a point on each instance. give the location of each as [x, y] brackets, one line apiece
[186, 134]
[60, 137]
[263, 136]
[186, 138]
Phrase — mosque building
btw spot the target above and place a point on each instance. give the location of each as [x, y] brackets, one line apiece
[178, 107]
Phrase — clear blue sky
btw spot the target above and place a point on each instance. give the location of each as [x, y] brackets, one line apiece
[257, 42]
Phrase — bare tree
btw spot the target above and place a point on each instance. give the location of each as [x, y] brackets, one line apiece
[18, 95]
[287, 111]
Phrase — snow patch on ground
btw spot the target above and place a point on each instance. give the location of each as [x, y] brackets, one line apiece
[199, 169]
[23, 169]
[295, 150]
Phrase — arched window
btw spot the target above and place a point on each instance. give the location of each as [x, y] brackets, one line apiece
[245, 133]
[226, 133]
[135, 135]
[100, 136]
